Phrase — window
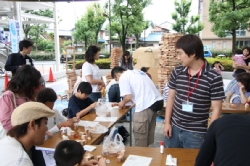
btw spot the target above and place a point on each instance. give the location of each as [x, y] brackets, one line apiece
[224, 46]
[238, 33]
[213, 44]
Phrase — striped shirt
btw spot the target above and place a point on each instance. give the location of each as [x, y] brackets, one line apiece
[210, 87]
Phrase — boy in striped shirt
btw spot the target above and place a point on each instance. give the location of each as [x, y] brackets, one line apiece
[194, 87]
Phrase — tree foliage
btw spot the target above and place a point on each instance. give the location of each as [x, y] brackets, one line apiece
[127, 18]
[229, 16]
[183, 23]
[83, 32]
[95, 19]
[36, 30]
[88, 27]
[28, 27]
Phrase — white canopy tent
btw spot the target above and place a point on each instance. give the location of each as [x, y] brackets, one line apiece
[15, 10]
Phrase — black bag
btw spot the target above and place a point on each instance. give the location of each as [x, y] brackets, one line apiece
[65, 112]
[123, 132]
[158, 105]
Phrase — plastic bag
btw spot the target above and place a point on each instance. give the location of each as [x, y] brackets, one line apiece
[101, 109]
[112, 144]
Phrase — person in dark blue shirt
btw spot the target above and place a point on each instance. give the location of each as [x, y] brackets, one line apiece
[79, 103]
[16, 60]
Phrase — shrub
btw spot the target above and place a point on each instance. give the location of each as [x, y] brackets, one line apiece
[101, 63]
[227, 63]
[42, 57]
[227, 53]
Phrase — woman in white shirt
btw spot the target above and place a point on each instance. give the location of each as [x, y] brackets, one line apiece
[90, 72]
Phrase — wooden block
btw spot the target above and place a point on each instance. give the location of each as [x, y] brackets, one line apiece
[88, 157]
[121, 156]
[98, 157]
[233, 105]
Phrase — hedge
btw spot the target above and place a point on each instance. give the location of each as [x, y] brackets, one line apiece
[101, 63]
[227, 63]
[105, 63]
[227, 53]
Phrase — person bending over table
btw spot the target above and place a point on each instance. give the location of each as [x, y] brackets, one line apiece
[80, 104]
[90, 72]
[240, 93]
[136, 86]
[226, 142]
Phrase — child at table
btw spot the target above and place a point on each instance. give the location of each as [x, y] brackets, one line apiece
[48, 97]
[240, 93]
[79, 103]
[70, 153]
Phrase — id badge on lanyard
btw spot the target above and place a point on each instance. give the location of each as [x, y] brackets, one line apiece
[186, 105]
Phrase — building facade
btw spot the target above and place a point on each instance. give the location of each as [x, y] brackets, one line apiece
[210, 40]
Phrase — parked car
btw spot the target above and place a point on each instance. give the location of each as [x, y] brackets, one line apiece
[208, 54]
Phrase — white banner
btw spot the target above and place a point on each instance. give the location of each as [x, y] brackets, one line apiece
[15, 35]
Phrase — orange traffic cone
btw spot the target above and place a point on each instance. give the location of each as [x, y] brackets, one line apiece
[6, 81]
[51, 78]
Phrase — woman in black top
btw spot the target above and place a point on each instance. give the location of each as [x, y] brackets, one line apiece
[126, 61]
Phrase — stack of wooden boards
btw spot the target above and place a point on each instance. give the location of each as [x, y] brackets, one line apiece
[167, 58]
[116, 55]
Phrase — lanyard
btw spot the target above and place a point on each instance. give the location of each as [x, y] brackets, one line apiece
[199, 74]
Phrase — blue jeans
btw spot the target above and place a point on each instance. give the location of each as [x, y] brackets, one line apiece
[183, 139]
[114, 93]
[94, 96]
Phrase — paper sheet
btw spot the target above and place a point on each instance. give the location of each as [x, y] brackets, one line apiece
[86, 123]
[89, 148]
[106, 119]
[49, 158]
[133, 160]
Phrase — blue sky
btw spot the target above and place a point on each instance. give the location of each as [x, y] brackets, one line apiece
[158, 12]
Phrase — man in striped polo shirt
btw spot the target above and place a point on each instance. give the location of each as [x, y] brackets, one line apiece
[193, 87]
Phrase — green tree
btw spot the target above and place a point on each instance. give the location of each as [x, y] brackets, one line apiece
[138, 28]
[35, 32]
[83, 32]
[28, 27]
[126, 15]
[95, 19]
[229, 16]
[182, 23]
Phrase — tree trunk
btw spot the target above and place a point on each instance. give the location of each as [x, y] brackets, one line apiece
[233, 40]
[123, 43]
[86, 42]
[96, 39]
[137, 40]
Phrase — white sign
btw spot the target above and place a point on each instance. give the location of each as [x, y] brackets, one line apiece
[130, 40]
[15, 35]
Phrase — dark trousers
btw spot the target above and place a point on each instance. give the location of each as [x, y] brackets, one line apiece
[94, 96]
[114, 93]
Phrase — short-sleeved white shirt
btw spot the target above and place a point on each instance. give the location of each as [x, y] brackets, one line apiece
[91, 69]
[12, 153]
[141, 87]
